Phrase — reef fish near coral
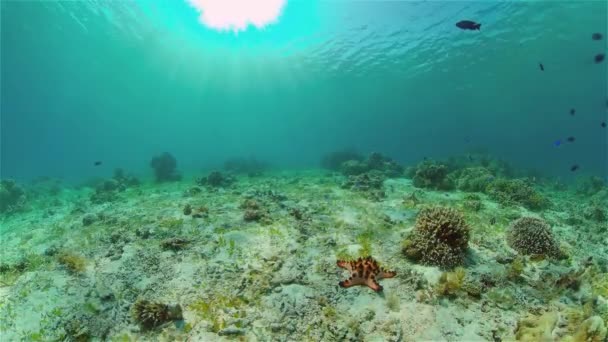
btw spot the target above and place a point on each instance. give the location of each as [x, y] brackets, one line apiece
[364, 272]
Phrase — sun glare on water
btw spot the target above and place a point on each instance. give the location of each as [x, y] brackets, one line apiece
[237, 15]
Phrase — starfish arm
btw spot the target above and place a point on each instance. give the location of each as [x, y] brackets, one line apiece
[345, 264]
[352, 282]
[373, 284]
[387, 274]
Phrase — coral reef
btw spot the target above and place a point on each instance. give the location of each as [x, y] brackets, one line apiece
[364, 271]
[384, 164]
[432, 175]
[107, 190]
[334, 160]
[353, 167]
[533, 236]
[164, 166]
[375, 162]
[369, 183]
[516, 191]
[254, 211]
[152, 314]
[12, 196]
[473, 179]
[124, 179]
[440, 238]
[216, 179]
[252, 281]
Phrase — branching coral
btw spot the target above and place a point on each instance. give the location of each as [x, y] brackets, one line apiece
[12, 196]
[533, 236]
[429, 174]
[440, 237]
[164, 167]
[474, 179]
[516, 191]
[152, 314]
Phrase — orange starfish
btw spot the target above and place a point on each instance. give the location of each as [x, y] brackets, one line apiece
[364, 271]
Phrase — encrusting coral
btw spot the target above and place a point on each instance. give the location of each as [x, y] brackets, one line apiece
[440, 238]
[533, 236]
[152, 314]
[364, 271]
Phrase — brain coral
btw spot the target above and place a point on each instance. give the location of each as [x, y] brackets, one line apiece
[532, 236]
[440, 237]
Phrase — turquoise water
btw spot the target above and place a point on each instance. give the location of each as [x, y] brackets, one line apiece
[121, 81]
[347, 171]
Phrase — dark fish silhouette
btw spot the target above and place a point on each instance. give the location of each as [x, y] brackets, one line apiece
[599, 58]
[596, 36]
[97, 163]
[603, 124]
[571, 139]
[493, 221]
[468, 25]
[572, 111]
[542, 67]
[574, 167]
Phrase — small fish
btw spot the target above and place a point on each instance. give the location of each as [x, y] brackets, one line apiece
[97, 163]
[470, 157]
[571, 139]
[603, 124]
[574, 167]
[542, 67]
[572, 111]
[557, 143]
[596, 36]
[493, 221]
[468, 25]
[599, 57]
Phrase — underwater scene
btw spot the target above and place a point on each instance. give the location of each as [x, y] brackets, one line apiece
[304, 170]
